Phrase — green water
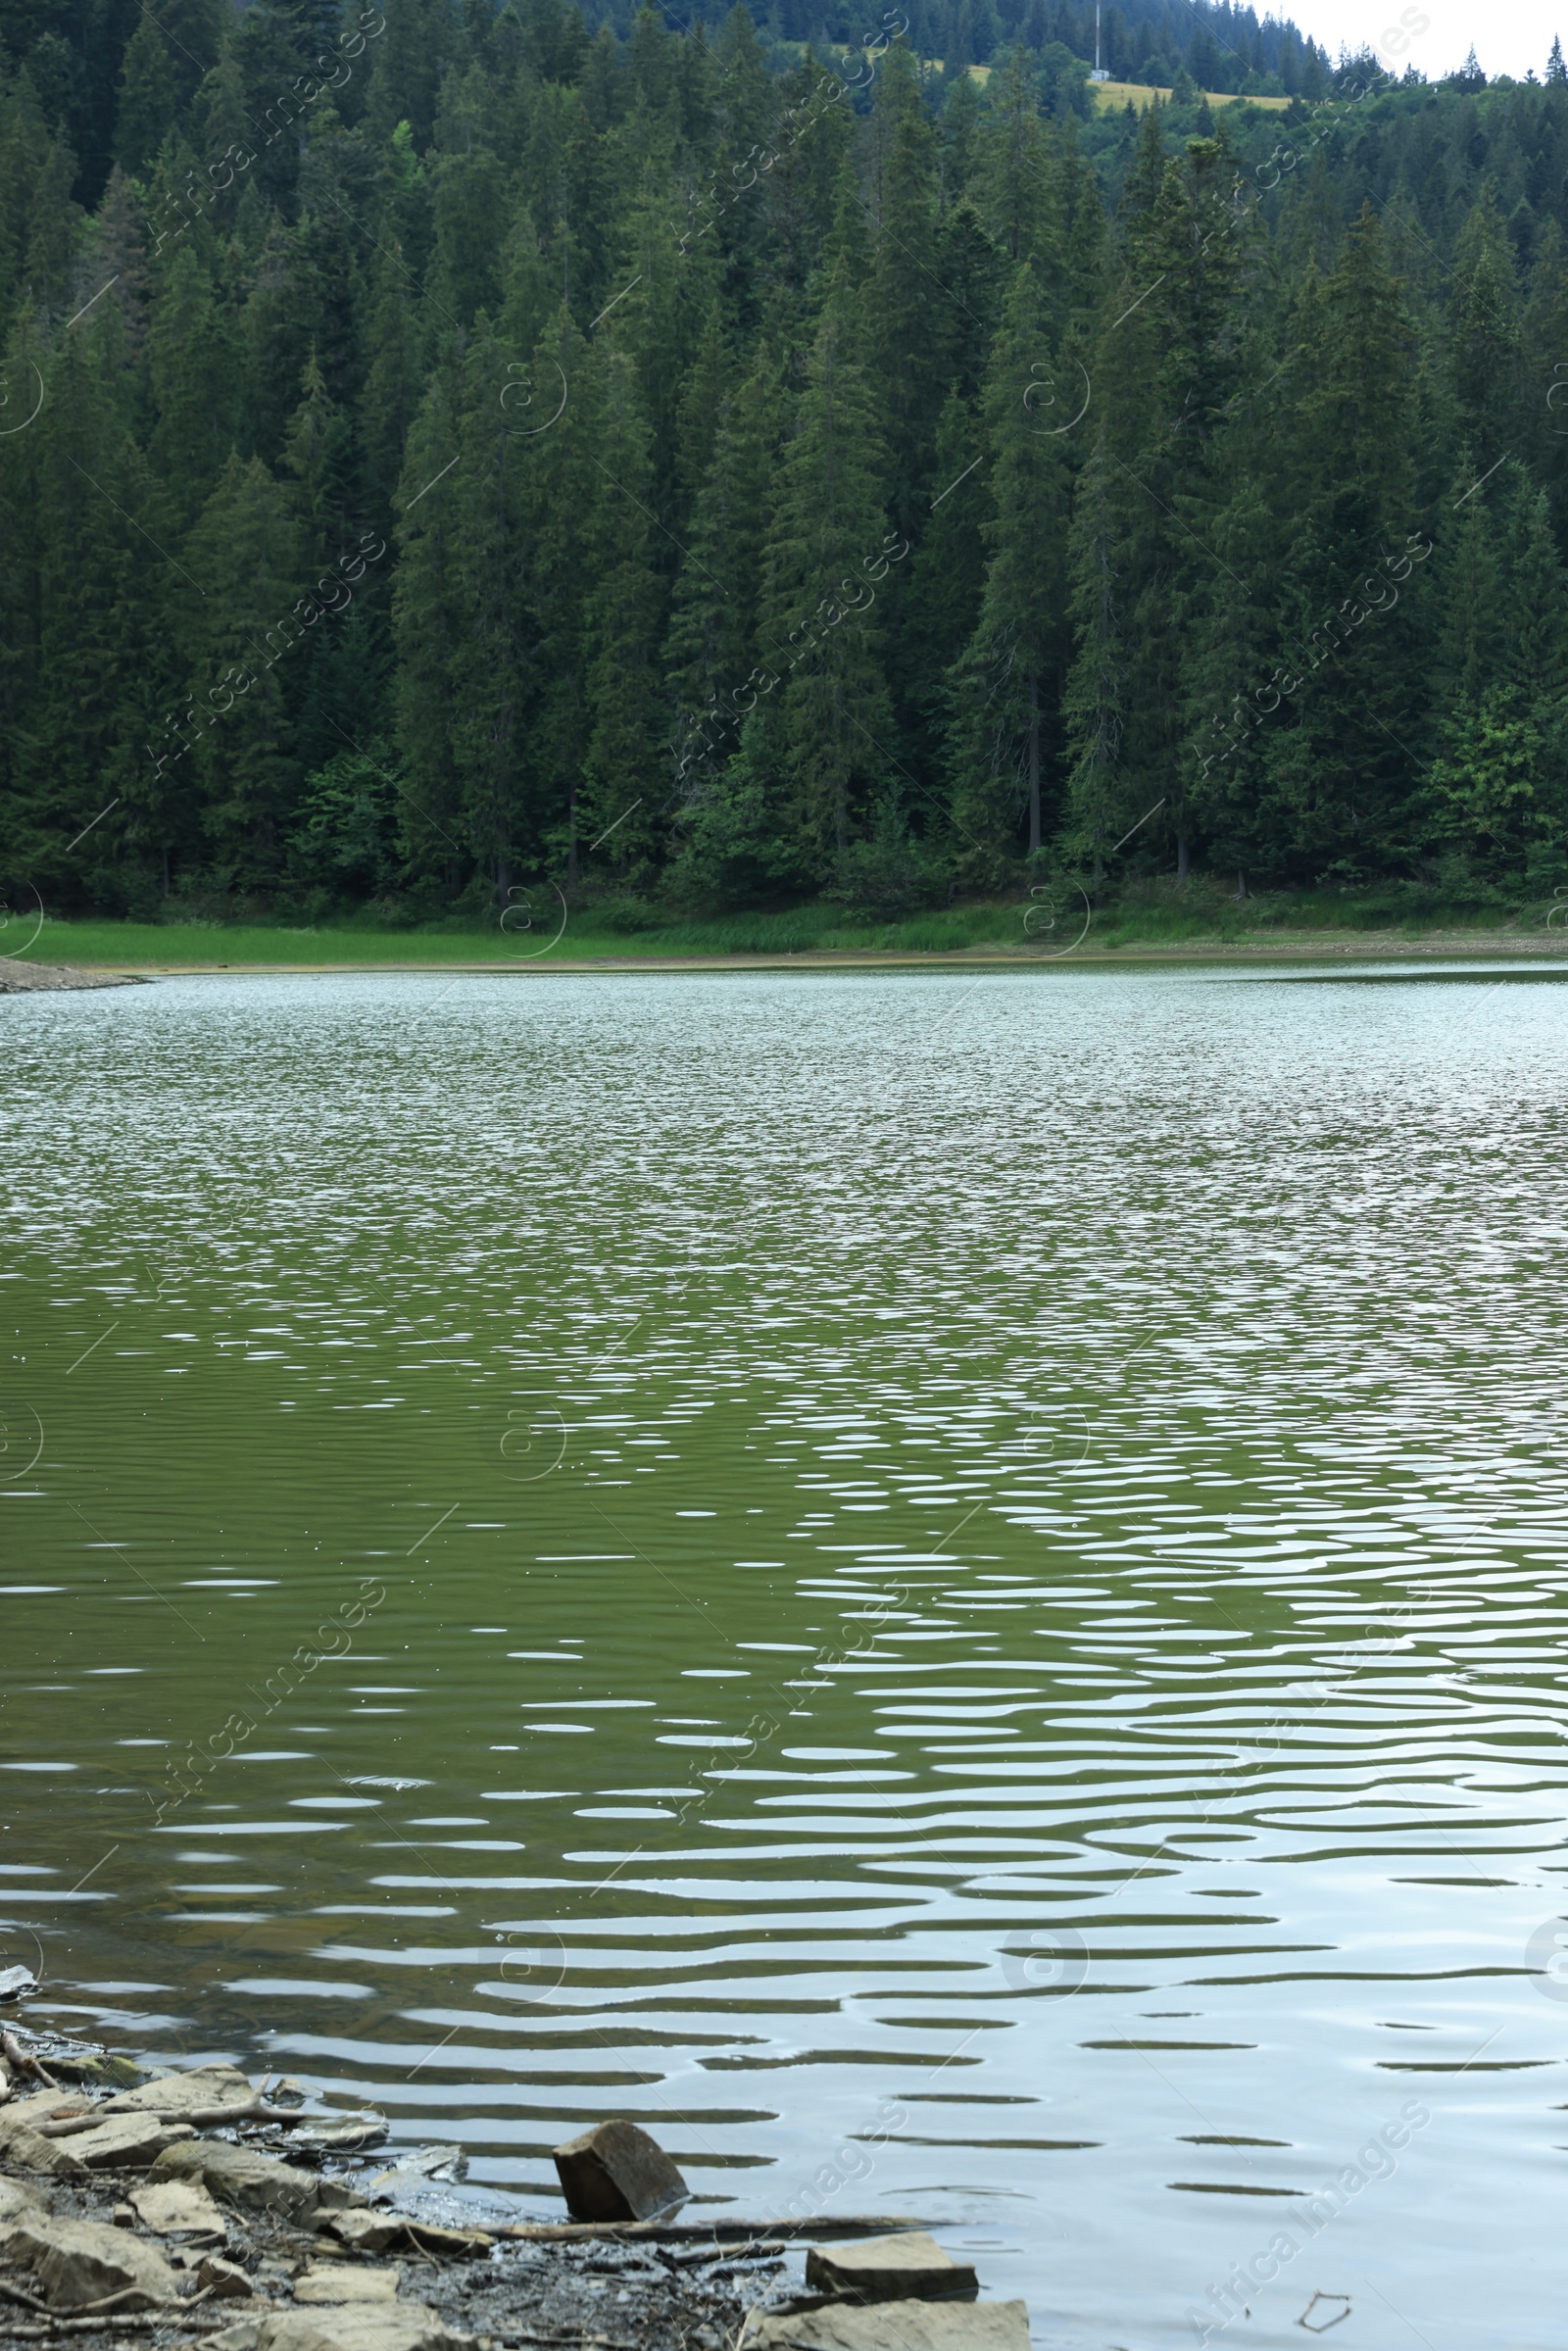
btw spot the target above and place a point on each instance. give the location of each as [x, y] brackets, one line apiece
[947, 1588]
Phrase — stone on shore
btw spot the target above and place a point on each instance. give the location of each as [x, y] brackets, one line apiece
[17, 2201]
[224, 2278]
[174, 2094]
[75, 2262]
[378, 2231]
[346, 2282]
[415, 2164]
[619, 2173]
[95, 2070]
[20, 2142]
[343, 2134]
[121, 2142]
[889, 2269]
[241, 2176]
[178, 2208]
[352, 2326]
[125, 2142]
[915, 2326]
[368, 2232]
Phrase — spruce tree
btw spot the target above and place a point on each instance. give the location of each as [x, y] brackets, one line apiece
[828, 554]
[193, 379]
[623, 618]
[1019, 651]
[940, 606]
[428, 621]
[561, 502]
[1097, 684]
[907, 299]
[246, 625]
[712, 649]
[1015, 184]
[1484, 332]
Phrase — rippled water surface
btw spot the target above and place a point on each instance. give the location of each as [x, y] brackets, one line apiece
[947, 1587]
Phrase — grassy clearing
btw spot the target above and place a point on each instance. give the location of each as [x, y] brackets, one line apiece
[1109, 94]
[1159, 921]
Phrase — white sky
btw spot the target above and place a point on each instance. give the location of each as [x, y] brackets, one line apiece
[1509, 35]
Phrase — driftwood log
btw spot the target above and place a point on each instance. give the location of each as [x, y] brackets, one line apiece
[201, 2118]
[677, 2232]
[15, 2054]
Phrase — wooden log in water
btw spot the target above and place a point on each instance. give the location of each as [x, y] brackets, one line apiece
[562, 2233]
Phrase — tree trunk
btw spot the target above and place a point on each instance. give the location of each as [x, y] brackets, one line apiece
[1181, 860]
[1034, 764]
[1241, 890]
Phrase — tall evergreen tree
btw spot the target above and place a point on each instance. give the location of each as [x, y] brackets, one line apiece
[1018, 655]
[827, 548]
[245, 624]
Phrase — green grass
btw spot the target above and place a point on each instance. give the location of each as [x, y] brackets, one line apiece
[796, 932]
[1158, 920]
[1397, 910]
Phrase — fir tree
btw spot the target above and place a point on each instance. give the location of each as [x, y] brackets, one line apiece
[827, 555]
[1020, 646]
[246, 624]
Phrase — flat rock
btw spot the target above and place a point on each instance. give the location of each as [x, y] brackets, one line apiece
[120, 2143]
[352, 2326]
[24, 2114]
[343, 2134]
[21, 2141]
[184, 2093]
[617, 2172]
[893, 2326]
[889, 2269]
[346, 2282]
[14, 1981]
[430, 2236]
[241, 2176]
[378, 2231]
[224, 2278]
[178, 2208]
[18, 2201]
[80, 2261]
[421, 2163]
[368, 2232]
[97, 2068]
[125, 2142]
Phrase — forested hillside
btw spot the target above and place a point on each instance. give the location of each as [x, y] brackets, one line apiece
[719, 465]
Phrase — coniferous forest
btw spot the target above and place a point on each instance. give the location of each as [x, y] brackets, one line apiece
[723, 463]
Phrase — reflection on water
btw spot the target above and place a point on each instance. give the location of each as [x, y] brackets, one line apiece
[1093, 1446]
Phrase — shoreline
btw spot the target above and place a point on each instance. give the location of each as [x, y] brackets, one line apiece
[213, 2241]
[1290, 948]
[186, 2202]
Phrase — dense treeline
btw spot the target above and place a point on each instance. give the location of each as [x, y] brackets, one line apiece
[115, 76]
[451, 448]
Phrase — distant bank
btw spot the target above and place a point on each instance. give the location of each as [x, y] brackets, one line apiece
[93, 955]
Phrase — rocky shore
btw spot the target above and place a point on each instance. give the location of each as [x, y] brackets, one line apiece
[198, 2208]
[20, 979]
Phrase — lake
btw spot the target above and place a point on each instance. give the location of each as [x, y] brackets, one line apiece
[1094, 1442]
